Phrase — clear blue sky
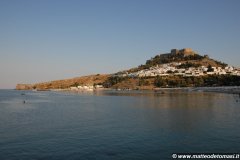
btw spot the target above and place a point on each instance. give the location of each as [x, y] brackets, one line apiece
[54, 39]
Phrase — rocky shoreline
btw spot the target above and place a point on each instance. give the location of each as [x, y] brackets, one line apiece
[223, 89]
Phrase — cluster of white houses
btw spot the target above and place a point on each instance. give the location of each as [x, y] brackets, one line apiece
[86, 87]
[172, 69]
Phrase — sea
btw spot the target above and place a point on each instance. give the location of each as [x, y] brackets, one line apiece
[121, 125]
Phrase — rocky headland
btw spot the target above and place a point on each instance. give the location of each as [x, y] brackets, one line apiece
[179, 68]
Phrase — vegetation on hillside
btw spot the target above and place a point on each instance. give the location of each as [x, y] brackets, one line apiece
[113, 80]
[195, 60]
[171, 81]
[210, 80]
[157, 60]
[188, 65]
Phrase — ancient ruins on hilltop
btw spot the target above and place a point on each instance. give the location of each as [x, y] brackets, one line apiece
[185, 52]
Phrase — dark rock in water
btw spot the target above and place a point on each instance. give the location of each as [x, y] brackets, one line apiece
[24, 101]
[22, 94]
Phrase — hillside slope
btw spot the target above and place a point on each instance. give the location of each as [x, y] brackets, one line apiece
[180, 56]
[146, 76]
[66, 83]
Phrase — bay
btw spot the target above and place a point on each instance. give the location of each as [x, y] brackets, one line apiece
[117, 124]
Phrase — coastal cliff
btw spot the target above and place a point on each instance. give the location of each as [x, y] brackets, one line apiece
[24, 87]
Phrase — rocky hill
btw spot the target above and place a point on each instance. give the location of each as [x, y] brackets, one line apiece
[66, 83]
[182, 68]
[186, 55]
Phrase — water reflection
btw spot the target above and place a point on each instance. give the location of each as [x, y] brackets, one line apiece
[180, 110]
[119, 124]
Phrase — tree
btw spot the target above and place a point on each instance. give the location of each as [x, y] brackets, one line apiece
[141, 82]
[198, 81]
[210, 69]
[74, 84]
[160, 82]
[189, 81]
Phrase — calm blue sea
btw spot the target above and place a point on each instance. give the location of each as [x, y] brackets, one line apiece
[122, 125]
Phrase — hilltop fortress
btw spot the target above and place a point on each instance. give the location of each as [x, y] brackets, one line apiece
[179, 68]
[184, 52]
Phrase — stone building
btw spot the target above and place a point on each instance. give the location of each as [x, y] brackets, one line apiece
[185, 52]
[174, 51]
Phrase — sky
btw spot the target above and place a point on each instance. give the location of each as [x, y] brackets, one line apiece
[44, 40]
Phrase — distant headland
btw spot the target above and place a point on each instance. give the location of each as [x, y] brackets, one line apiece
[179, 68]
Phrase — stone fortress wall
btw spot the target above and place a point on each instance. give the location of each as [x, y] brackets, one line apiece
[184, 52]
